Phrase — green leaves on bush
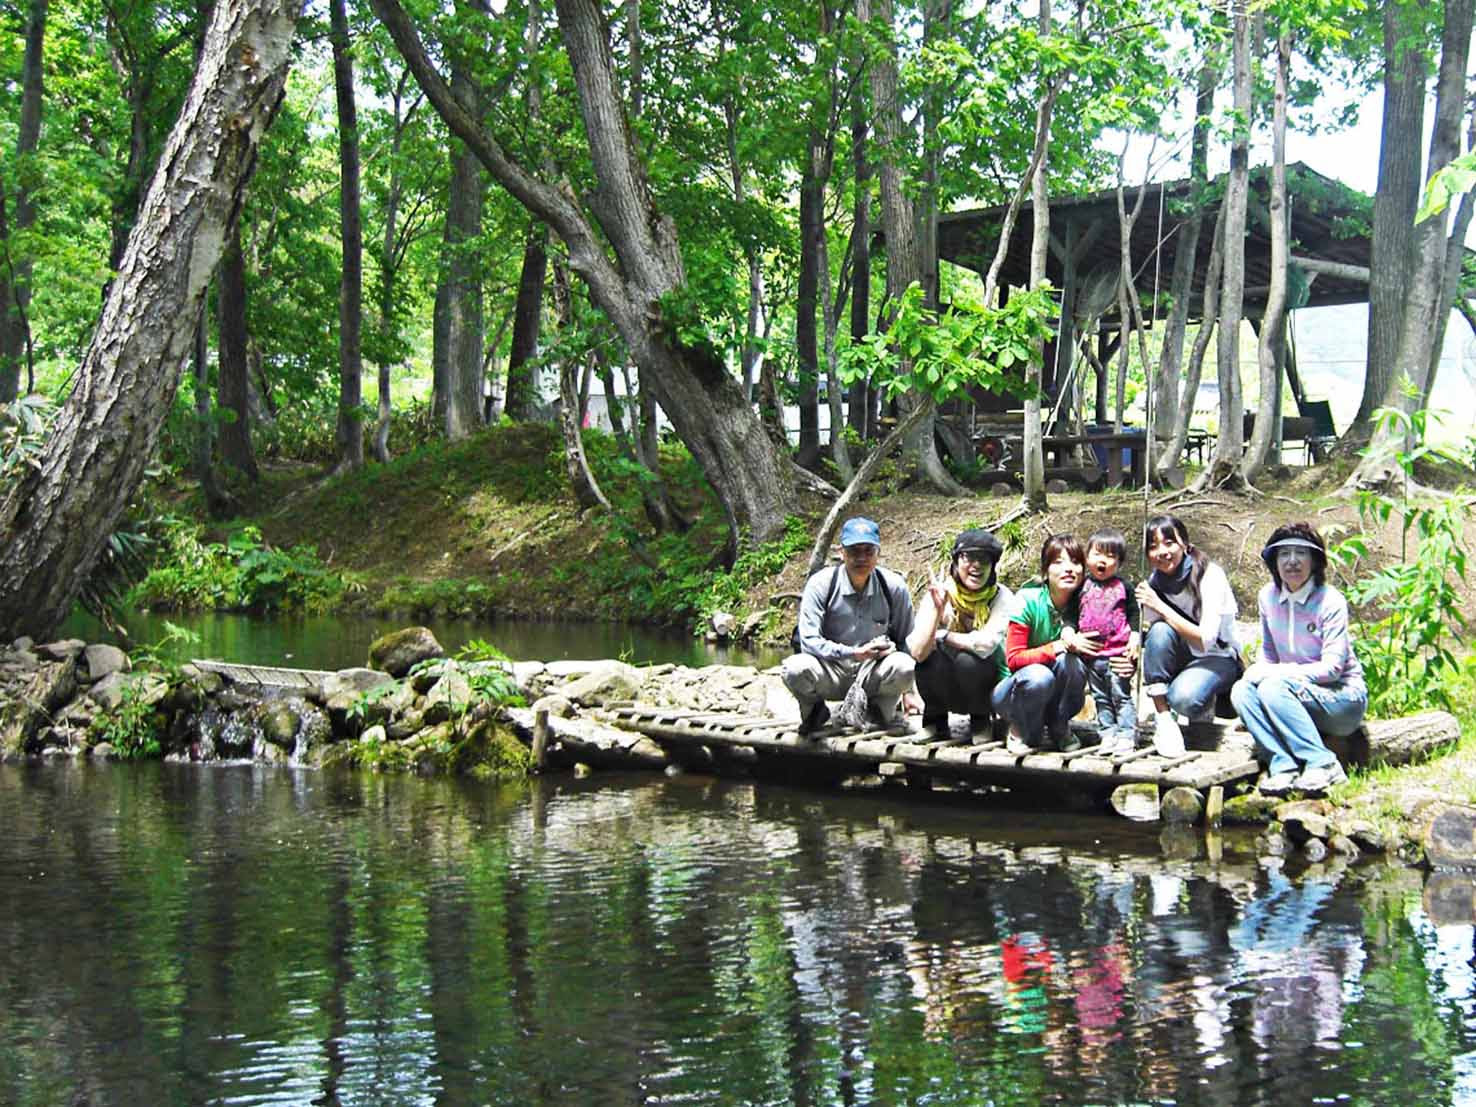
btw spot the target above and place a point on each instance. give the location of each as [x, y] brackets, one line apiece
[242, 573]
[1408, 648]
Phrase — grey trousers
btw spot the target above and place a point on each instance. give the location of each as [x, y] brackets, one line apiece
[813, 678]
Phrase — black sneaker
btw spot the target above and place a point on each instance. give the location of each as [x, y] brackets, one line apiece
[1064, 740]
[811, 725]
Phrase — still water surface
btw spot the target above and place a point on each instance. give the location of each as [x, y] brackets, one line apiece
[175, 934]
[341, 641]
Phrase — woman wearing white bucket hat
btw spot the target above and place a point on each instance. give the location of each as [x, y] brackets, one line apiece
[1308, 681]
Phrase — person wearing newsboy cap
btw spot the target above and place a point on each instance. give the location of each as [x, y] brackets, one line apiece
[1308, 681]
[958, 637]
[852, 614]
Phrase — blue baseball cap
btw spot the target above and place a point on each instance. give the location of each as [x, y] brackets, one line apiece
[860, 532]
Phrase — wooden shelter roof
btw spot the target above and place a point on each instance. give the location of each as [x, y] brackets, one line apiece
[1330, 223]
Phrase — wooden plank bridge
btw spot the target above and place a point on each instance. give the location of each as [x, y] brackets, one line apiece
[985, 762]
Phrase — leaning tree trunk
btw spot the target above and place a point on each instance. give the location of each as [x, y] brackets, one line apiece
[15, 279]
[56, 519]
[1273, 323]
[1396, 198]
[703, 401]
[1423, 304]
[1224, 467]
[351, 224]
[235, 369]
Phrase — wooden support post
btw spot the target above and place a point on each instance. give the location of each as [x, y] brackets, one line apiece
[1214, 807]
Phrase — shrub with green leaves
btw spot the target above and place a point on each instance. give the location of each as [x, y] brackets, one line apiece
[132, 728]
[1407, 648]
[242, 573]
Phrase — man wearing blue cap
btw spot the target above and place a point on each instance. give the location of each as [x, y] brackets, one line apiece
[853, 623]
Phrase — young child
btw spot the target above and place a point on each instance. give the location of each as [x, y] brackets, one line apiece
[1109, 610]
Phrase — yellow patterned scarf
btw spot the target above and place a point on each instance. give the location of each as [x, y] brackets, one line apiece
[972, 607]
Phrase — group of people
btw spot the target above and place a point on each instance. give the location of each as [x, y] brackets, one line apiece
[1028, 659]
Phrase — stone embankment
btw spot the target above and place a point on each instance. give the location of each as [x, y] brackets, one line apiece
[412, 707]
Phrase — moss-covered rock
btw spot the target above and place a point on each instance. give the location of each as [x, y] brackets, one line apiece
[400, 651]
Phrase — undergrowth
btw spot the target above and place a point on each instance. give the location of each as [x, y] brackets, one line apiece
[243, 573]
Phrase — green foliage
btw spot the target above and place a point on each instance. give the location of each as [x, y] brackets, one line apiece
[947, 352]
[24, 426]
[1408, 648]
[448, 597]
[132, 728]
[1456, 179]
[243, 573]
[165, 655]
[727, 591]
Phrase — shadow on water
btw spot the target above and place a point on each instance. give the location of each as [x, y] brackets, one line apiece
[182, 934]
[337, 642]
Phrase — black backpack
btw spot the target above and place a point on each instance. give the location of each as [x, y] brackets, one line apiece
[835, 572]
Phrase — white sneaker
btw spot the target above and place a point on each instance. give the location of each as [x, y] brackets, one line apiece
[1277, 784]
[1318, 780]
[1016, 745]
[1168, 739]
[1113, 744]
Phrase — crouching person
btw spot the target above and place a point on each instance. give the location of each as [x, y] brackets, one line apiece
[1308, 682]
[853, 625]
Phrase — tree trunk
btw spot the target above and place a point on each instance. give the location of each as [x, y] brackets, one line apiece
[1423, 305]
[861, 399]
[839, 452]
[388, 269]
[1397, 196]
[459, 404]
[806, 300]
[204, 426]
[899, 220]
[581, 480]
[1033, 462]
[15, 265]
[1192, 375]
[703, 401]
[1273, 322]
[56, 519]
[521, 399]
[351, 224]
[234, 377]
[1165, 401]
[1450, 289]
[1224, 468]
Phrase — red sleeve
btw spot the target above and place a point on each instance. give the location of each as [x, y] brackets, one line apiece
[1018, 653]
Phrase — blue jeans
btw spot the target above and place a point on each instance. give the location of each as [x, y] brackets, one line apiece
[1287, 716]
[1191, 683]
[1041, 697]
[1113, 695]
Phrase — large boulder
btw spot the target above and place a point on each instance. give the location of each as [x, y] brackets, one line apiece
[63, 650]
[606, 682]
[42, 693]
[400, 651]
[100, 659]
[353, 682]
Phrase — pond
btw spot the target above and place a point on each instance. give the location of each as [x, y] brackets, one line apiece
[177, 934]
[340, 642]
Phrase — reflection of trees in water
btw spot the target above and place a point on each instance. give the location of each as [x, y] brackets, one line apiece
[690, 939]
